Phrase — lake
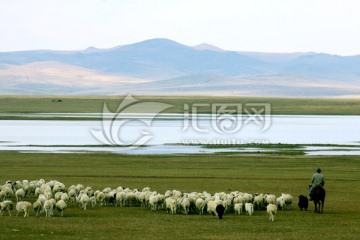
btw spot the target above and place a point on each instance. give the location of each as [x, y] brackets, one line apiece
[173, 133]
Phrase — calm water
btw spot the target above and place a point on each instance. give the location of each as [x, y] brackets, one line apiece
[173, 129]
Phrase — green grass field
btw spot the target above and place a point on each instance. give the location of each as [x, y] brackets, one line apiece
[212, 173]
[76, 104]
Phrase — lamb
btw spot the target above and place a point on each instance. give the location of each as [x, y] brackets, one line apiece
[238, 208]
[271, 210]
[249, 208]
[23, 206]
[61, 206]
[6, 206]
[303, 202]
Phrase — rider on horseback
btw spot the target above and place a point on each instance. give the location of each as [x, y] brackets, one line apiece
[317, 180]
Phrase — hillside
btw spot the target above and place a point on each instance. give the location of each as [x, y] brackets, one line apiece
[162, 66]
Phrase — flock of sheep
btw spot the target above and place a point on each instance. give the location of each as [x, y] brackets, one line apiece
[55, 195]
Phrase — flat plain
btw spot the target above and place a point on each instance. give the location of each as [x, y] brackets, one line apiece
[87, 104]
[252, 173]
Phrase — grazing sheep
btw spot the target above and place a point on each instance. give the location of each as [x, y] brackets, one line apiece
[92, 201]
[20, 193]
[258, 201]
[58, 195]
[303, 202]
[249, 208]
[270, 199]
[84, 199]
[185, 205]
[65, 197]
[119, 200]
[170, 204]
[220, 210]
[238, 208]
[7, 193]
[200, 205]
[38, 207]
[61, 206]
[211, 206]
[72, 194]
[271, 210]
[23, 207]
[48, 207]
[287, 199]
[6, 206]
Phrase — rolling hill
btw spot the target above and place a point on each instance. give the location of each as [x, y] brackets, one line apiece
[162, 66]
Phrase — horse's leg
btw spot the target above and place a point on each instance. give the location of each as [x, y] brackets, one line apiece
[315, 203]
[322, 206]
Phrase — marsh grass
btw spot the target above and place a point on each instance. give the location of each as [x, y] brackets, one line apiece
[212, 173]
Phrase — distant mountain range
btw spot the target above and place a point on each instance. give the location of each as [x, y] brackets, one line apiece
[162, 66]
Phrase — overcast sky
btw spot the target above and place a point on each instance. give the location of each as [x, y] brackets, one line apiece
[330, 26]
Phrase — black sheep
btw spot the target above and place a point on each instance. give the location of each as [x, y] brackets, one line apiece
[303, 202]
[220, 210]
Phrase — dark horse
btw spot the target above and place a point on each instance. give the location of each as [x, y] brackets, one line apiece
[318, 197]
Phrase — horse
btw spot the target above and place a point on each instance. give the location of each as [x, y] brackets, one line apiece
[318, 197]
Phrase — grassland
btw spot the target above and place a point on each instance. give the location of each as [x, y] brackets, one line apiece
[76, 104]
[217, 172]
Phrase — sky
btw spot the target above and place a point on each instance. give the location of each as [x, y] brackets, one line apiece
[327, 26]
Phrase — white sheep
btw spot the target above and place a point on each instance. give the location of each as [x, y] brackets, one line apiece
[84, 199]
[72, 194]
[249, 208]
[185, 205]
[119, 199]
[61, 206]
[287, 199]
[170, 204]
[92, 201]
[20, 194]
[38, 207]
[200, 205]
[211, 206]
[258, 201]
[48, 207]
[7, 193]
[271, 210]
[6, 206]
[65, 197]
[270, 199]
[153, 201]
[23, 206]
[58, 195]
[238, 208]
